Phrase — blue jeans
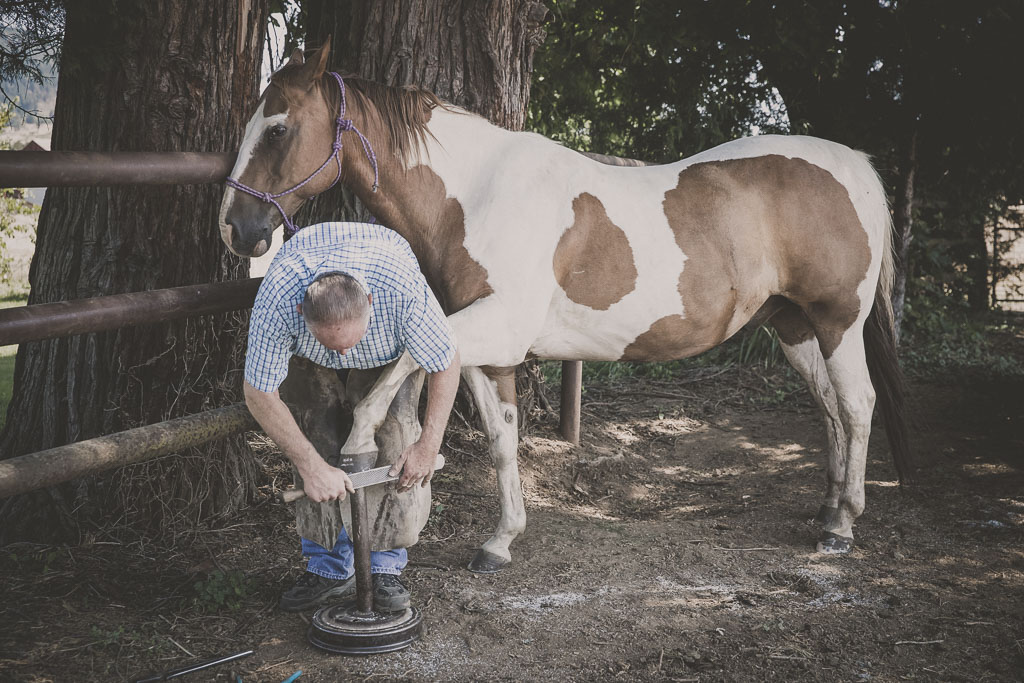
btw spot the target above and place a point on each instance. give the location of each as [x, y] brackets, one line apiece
[337, 563]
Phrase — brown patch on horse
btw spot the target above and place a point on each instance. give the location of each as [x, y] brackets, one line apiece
[751, 228]
[666, 339]
[505, 378]
[792, 325]
[435, 226]
[593, 261]
[277, 166]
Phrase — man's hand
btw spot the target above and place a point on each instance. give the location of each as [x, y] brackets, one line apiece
[327, 483]
[416, 464]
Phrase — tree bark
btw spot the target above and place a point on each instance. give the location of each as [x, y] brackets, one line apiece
[156, 76]
[903, 219]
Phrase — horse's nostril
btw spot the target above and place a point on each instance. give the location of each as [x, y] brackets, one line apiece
[234, 233]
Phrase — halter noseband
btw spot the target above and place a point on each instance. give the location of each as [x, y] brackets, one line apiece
[342, 125]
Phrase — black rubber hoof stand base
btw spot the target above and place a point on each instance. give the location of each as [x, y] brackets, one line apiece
[487, 563]
[343, 629]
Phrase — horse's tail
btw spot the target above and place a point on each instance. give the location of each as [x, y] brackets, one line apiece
[883, 361]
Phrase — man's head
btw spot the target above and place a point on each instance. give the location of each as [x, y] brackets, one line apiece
[336, 309]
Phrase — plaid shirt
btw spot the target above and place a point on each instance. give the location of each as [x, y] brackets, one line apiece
[405, 316]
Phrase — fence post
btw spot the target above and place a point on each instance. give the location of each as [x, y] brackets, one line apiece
[572, 390]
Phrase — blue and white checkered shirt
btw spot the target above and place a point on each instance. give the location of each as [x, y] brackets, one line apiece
[405, 315]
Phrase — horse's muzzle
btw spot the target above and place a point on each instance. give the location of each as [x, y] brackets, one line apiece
[247, 226]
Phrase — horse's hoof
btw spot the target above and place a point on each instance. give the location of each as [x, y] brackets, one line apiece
[834, 544]
[826, 516]
[487, 563]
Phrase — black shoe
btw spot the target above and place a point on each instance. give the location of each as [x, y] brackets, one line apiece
[390, 594]
[312, 589]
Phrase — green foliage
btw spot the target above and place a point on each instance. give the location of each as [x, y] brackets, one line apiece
[39, 561]
[11, 206]
[31, 32]
[604, 371]
[646, 80]
[760, 347]
[104, 637]
[938, 342]
[7, 357]
[220, 590]
[117, 638]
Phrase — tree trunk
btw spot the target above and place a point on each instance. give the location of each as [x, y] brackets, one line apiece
[979, 266]
[155, 76]
[477, 55]
[903, 218]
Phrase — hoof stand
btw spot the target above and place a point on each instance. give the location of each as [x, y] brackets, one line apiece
[344, 629]
[834, 544]
[487, 563]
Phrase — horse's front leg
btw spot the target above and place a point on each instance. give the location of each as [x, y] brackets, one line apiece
[494, 392]
[491, 347]
[369, 413]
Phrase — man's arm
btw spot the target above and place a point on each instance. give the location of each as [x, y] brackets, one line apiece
[321, 481]
[417, 461]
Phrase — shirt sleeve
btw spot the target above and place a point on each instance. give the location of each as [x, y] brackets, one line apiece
[269, 349]
[429, 337]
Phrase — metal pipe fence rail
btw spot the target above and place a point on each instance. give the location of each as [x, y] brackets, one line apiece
[98, 314]
[102, 313]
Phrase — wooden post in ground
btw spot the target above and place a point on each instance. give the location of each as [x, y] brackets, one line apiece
[572, 389]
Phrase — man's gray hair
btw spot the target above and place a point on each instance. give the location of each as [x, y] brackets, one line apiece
[333, 298]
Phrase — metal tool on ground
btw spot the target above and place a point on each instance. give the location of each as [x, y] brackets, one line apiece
[192, 668]
[371, 477]
[354, 627]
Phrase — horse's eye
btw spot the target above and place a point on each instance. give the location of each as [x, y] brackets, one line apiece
[276, 132]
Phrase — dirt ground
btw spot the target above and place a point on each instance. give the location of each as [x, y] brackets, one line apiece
[673, 544]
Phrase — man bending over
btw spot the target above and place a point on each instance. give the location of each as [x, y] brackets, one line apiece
[347, 295]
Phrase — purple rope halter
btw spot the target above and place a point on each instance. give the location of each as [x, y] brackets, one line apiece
[342, 125]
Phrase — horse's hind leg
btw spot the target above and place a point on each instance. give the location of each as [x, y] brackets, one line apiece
[495, 396]
[801, 348]
[855, 396]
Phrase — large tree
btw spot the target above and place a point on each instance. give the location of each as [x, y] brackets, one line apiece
[153, 76]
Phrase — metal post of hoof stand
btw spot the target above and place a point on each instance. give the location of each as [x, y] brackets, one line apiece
[354, 627]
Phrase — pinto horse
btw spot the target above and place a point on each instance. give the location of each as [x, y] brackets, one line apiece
[536, 251]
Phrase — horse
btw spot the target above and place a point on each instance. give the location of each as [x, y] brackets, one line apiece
[536, 251]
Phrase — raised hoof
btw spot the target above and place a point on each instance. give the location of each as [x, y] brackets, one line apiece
[487, 563]
[826, 516]
[834, 544]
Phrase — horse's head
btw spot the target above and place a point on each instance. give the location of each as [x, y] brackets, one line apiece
[287, 139]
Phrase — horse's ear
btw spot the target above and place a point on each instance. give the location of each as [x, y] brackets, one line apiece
[318, 60]
[296, 58]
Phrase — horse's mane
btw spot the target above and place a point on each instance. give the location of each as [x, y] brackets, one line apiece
[404, 110]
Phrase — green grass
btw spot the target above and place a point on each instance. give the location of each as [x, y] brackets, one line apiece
[7, 354]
